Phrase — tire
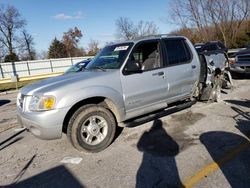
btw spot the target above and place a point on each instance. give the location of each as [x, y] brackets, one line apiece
[215, 95]
[216, 92]
[91, 128]
[226, 84]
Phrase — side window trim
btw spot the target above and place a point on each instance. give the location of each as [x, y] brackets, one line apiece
[188, 50]
[164, 54]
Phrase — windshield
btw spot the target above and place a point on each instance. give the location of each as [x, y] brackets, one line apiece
[110, 57]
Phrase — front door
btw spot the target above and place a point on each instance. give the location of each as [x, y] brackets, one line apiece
[144, 90]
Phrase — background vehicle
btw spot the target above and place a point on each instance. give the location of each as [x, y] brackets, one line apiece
[124, 81]
[78, 66]
[242, 62]
[210, 46]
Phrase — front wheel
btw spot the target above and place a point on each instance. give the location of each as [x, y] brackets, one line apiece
[92, 128]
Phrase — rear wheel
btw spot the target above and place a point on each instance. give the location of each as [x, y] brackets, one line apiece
[92, 128]
[216, 94]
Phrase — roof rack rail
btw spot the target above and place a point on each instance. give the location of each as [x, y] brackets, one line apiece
[157, 35]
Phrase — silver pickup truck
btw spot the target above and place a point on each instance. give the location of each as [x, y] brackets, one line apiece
[123, 81]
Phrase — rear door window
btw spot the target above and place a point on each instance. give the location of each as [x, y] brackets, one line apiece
[177, 51]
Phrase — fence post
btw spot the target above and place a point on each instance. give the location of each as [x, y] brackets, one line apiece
[14, 68]
[28, 67]
[51, 67]
[71, 60]
[1, 70]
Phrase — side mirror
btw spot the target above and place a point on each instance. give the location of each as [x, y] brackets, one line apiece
[133, 67]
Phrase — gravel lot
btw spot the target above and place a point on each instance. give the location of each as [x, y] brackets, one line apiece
[206, 145]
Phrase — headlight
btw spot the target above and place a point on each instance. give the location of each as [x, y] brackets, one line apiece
[232, 61]
[18, 99]
[41, 103]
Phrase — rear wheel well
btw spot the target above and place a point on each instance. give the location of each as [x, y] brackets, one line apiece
[106, 103]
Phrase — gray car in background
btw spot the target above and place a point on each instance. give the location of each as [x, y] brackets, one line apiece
[124, 81]
[241, 65]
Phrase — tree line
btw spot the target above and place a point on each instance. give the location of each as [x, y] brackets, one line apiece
[206, 20]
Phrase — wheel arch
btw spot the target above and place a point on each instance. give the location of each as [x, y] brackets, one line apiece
[100, 100]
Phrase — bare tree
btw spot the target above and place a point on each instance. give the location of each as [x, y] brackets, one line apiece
[212, 17]
[10, 22]
[93, 48]
[42, 55]
[146, 28]
[128, 30]
[71, 39]
[192, 14]
[80, 52]
[2, 52]
[228, 16]
[26, 45]
[190, 33]
[125, 28]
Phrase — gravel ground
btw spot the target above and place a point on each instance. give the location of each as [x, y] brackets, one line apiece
[202, 146]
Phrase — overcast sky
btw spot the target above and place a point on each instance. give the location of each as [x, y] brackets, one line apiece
[47, 19]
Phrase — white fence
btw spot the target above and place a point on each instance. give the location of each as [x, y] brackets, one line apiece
[36, 67]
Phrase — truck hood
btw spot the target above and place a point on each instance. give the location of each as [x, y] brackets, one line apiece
[52, 84]
[243, 52]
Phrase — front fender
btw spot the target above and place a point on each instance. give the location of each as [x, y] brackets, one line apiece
[72, 98]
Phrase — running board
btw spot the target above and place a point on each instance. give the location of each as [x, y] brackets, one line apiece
[155, 115]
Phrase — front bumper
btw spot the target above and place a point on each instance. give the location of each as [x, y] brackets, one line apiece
[240, 68]
[44, 125]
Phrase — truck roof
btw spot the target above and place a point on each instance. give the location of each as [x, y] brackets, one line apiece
[149, 37]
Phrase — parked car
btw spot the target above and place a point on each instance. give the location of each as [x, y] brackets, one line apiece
[80, 66]
[124, 81]
[241, 65]
[210, 46]
[232, 52]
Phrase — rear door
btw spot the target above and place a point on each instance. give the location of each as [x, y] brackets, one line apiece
[179, 72]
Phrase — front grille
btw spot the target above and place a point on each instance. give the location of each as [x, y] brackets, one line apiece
[244, 58]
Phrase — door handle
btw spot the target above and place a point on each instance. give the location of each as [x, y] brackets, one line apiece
[158, 74]
[193, 66]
